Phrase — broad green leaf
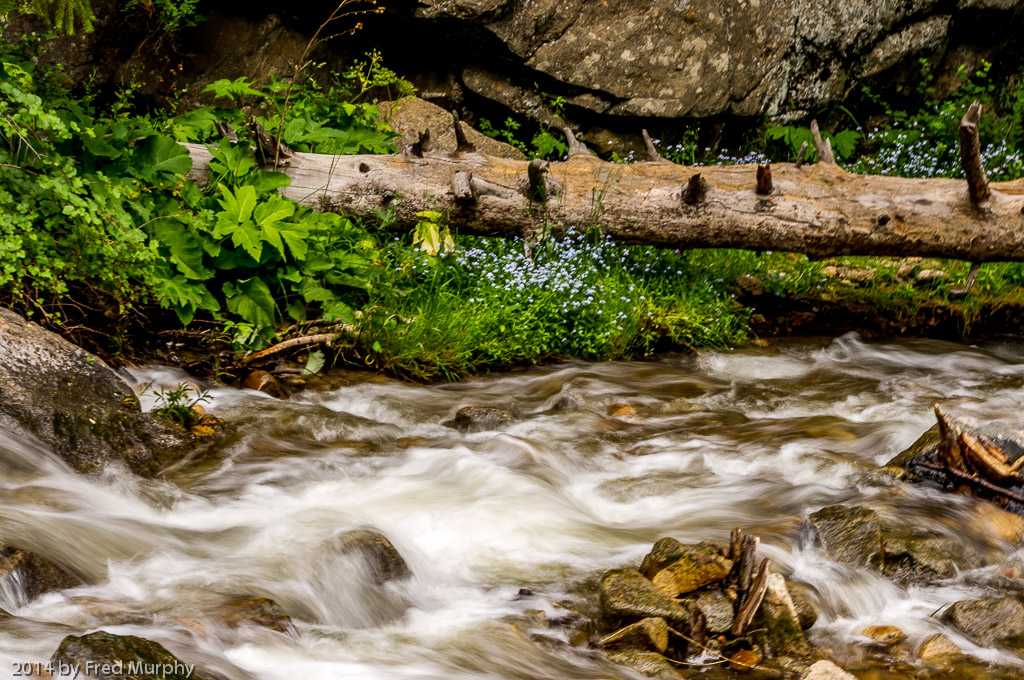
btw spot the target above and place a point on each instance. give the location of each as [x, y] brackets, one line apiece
[315, 362]
[163, 154]
[251, 300]
[295, 236]
[186, 248]
[269, 180]
[311, 291]
[247, 237]
[237, 205]
[339, 311]
[239, 87]
[231, 160]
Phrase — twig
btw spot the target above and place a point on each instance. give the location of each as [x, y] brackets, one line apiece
[756, 667]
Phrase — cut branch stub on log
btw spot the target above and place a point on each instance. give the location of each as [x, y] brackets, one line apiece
[764, 179]
[226, 131]
[462, 188]
[462, 145]
[822, 146]
[801, 156]
[970, 155]
[269, 149]
[576, 147]
[695, 190]
[652, 153]
[424, 145]
[537, 172]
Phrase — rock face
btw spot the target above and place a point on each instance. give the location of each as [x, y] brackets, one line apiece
[72, 402]
[699, 58]
[127, 657]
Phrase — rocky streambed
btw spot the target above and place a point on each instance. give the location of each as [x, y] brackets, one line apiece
[715, 515]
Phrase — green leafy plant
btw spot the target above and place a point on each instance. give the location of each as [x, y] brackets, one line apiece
[432, 237]
[178, 404]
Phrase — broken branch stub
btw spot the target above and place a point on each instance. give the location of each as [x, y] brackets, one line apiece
[652, 153]
[576, 147]
[462, 145]
[801, 156]
[822, 146]
[462, 188]
[970, 155]
[764, 179]
[536, 173]
[695, 190]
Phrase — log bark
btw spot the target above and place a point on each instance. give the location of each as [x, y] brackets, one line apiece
[819, 210]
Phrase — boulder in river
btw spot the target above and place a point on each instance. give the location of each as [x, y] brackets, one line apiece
[105, 656]
[989, 621]
[851, 536]
[858, 537]
[258, 611]
[76, 405]
[32, 574]
[481, 418]
[380, 555]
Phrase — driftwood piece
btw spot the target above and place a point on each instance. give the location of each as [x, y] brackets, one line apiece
[970, 156]
[287, 345]
[748, 555]
[822, 146]
[752, 603]
[819, 210]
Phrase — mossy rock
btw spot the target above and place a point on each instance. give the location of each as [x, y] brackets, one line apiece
[989, 621]
[699, 566]
[851, 536]
[76, 405]
[117, 657]
[380, 555]
[650, 634]
[257, 611]
[626, 593]
[35, 574]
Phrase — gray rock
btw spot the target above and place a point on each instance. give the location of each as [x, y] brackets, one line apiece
[481, 418]
[782, 633]
[72, 402]
[109, 657]
[717, 610]
[851, 536]
[382, 558]
[989, 621]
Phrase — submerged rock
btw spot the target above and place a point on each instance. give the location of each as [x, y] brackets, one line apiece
[989, 621]
[33, 574]
[481, 418]
[826, 670]
[884, 635]
[258, 611]
[647, 664]
[938, 648]
[117, 657]
[627, 593]
[382, 558]
[76, 405]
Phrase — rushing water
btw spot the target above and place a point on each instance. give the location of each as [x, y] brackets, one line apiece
[755, 438]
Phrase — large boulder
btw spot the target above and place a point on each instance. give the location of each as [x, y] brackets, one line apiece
[700, 58]
[76, 405]
[28, 575]
[410, 116]
[989, 621]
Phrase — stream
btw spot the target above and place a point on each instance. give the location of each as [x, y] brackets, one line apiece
[506, 532]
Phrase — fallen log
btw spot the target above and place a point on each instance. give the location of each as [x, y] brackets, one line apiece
[819, 210]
